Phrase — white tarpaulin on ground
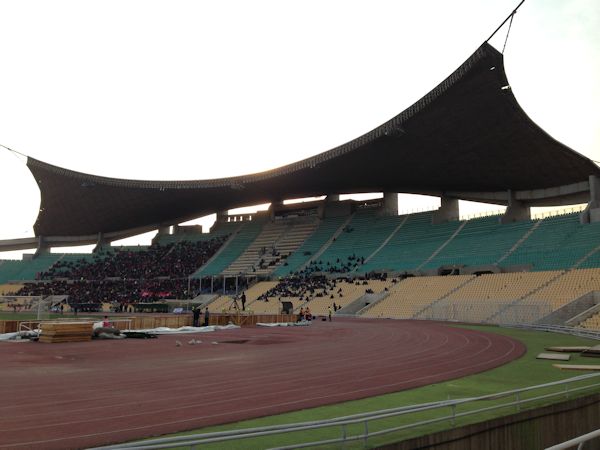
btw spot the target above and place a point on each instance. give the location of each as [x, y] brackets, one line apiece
[187, 330]
[304, 323]
[18, 336]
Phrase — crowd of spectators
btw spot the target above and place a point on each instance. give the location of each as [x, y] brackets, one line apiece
[300, 287]
[123, 276]
[175, 260]
[341, 265]
[308, 287]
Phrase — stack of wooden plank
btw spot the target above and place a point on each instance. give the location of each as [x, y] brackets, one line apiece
[54, 332]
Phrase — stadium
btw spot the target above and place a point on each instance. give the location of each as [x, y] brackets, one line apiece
[326, 323]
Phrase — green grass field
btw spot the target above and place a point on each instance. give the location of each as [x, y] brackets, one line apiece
[526, 371]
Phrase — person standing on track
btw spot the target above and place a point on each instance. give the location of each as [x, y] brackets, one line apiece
[206, 316]
[196, 315]
[329, 312]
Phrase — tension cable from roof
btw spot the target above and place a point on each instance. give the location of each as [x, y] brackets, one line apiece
[511, 17]
[14, 152]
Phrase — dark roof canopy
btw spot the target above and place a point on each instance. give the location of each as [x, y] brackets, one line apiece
[468, 134]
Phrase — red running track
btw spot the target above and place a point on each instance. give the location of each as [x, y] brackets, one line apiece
[74, 395]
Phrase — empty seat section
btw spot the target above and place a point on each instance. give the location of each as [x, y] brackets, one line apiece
[27, 269]
[548, 247]
[362, 236]
[484, 297]
[412, 295]
[592, 322]
[570, 286]
[481, 241]
[416, 241]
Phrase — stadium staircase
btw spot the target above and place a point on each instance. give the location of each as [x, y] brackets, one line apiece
[332, 238]
[350, 293]
[422, 313]
[416, 241]
[435, 253]
[360, 238]
[545, 248]
[363, 304]
[388, 239]
[317, 241]
[504, 314]
[520, 241]
[589, 319]
[276, 242]
[481, 241]
[574, 312]
[245, 233]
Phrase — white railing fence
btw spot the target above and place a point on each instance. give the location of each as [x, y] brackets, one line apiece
[365, 426]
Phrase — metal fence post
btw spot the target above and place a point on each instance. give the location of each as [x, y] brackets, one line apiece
[343, 435]
[366, 432]
[453, 421]
[518, 401]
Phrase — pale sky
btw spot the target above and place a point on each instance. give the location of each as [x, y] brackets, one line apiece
[193, 90]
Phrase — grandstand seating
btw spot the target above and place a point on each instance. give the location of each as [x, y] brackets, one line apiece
[557, 293]
[276, 241]
[412, 245]
[252, 293]
[592, 322]
[558, 243]
[412, 295]
[324, 232]
[27, 269]
[484, 297]
[245, 233]
[6, 289]
[481, 241]
[220, 304]
[361, 237]
[273, 306]
[350, 291]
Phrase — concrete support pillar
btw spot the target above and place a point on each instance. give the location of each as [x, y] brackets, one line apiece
[100, 242]
[222, 216]
[276, 205]
[164, 230]
[592, 212]
[42, 247]
[390, 204]
[516, 211]
[332, 198]
[447, 212]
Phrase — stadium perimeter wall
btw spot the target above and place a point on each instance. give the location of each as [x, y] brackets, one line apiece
[528, 430]
[155, 321]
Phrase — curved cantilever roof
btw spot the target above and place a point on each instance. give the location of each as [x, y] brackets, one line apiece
[468, 134]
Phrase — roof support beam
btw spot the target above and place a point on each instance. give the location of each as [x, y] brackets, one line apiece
[447, 212]
[516, 211]
[592, 212]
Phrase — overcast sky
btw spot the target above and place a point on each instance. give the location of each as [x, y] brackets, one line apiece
[193, 90]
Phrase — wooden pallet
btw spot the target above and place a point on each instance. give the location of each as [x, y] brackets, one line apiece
[554, 356]
[55, 332]
[576, 349]
[576, 367]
